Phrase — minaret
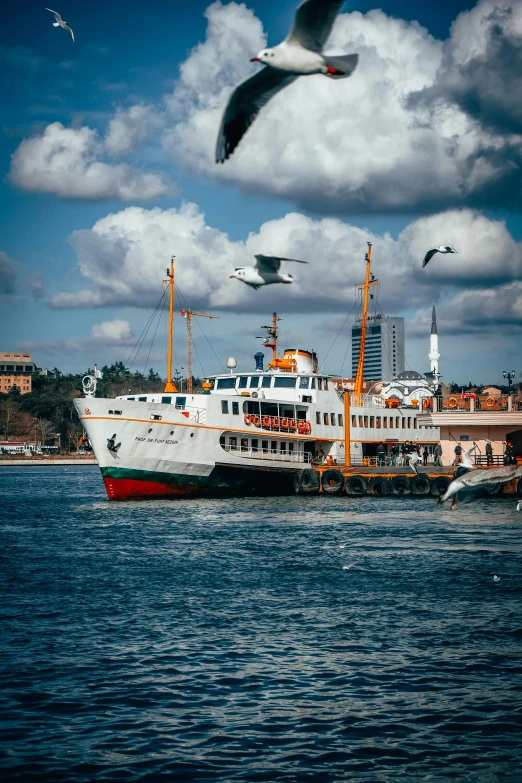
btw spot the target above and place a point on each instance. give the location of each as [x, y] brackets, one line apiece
[434, 354]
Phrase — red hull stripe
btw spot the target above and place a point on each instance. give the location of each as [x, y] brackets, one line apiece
[120, 489]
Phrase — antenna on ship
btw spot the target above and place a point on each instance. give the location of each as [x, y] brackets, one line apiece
[170, 386]
[363, 291]
[188, 314]
[271, 333]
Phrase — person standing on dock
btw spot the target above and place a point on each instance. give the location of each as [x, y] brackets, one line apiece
[437, 453]
[394, 453]
[425, 456]
[489, 453]
[381, 454]
[458, 454]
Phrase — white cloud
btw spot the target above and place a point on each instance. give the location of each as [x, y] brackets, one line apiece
[129, 128]
[124, 255]
[65, 162]
[356, 145]
[112, 331]
[8, 274]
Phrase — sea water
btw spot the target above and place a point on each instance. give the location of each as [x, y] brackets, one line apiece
[284, 639]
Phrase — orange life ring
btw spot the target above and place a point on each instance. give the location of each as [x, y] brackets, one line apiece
[490, 402]
[257, 421]
[300, 427]
[427, 403]
[453, 402]
[274, 422]
[308, 427]
[292, 424]
[284, 424]
[266, 421]
[248, 418]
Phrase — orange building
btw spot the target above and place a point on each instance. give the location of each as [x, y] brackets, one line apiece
[16, 370]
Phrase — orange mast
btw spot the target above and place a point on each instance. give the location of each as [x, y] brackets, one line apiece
[272, 332]
[364, 289]
[170, 386]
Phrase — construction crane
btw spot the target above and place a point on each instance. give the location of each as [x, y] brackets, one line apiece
[188, 314]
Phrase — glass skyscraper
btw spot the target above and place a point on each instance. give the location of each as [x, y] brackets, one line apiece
[384, 349]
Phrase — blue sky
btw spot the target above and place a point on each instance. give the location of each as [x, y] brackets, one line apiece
[129, 54]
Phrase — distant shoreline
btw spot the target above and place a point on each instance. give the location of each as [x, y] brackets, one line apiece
[43, 461]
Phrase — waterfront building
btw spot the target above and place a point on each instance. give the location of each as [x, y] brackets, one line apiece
[384, 348]
[16, 369]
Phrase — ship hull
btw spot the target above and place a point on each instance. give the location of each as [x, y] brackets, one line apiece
[131, 484]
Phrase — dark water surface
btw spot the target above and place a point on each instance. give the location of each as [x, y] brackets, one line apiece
[222, 640]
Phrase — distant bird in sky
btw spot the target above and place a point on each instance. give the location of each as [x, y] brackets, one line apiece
[60, 23]
[480, 479]
[440, 249]
[300, 54]
[264, 272]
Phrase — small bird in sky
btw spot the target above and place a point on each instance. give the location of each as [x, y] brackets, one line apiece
[480, 479]
[60, 23]
[264, 272]
[440, 249]
[300, 54]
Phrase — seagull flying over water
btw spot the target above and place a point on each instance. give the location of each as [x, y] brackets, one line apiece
[60, 23]
[440, 249]
[480, 479]
[300, 54]
[264, 272]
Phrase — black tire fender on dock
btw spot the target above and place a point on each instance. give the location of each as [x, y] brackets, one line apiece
[400, 485]
[519, 488]
[308, 480]
[420, 485]
[332, 481]
[378, 486]
[355, 485]
[439, 485]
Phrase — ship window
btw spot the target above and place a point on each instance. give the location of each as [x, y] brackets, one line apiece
[332, 419]
[267, 381]
[273, 447]
[372, 422]
[264, 446]
[414, 424]
[251, 407]
[142, 399]
[224, 406]
[255, 443]
[284, 383]
[287, 413]
[361, 423]
[244, 444]
[397, 422]
[326, 384]
[181, 402]
[254, 382]
[403, 423]
[320, 384]
[243, 380]
[130, 398]
[385, 422]
[301, 414]
[325, 418]
[303, 383]
[282, 446]
[378, 422]
[226, 383]
[232, 442]
[317, 417]
[307, 398]
[313, 383]
[340, 419]
[409, 422]
[366, 421]
[221, 440]
[166, 400]
[154, 416]
[235, 408]
[354, 420]
[269, 409]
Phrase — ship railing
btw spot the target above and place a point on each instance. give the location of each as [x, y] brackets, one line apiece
[196, 415]
[456, 403]
[273, 455]
[367, 401]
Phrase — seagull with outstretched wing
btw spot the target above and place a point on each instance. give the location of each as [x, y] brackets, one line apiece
[60, 23]
[265, 271]
[300, 54]
[440, 249]
[479, 479]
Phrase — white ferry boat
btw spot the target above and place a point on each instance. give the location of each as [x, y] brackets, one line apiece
[246, 433]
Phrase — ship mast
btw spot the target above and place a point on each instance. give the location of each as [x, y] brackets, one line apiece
[188, 315]
[272, 332]
[364, 289]
[170, 386]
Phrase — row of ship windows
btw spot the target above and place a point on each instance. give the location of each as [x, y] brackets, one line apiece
[264, 446]
[379, 422]
[265, 382]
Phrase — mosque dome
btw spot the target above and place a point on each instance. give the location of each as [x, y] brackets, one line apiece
[410, 375]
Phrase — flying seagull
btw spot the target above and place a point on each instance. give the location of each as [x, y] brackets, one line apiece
[60, 23]
[300, 54]
[264, 272]
[480, 479]
[440, 249]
